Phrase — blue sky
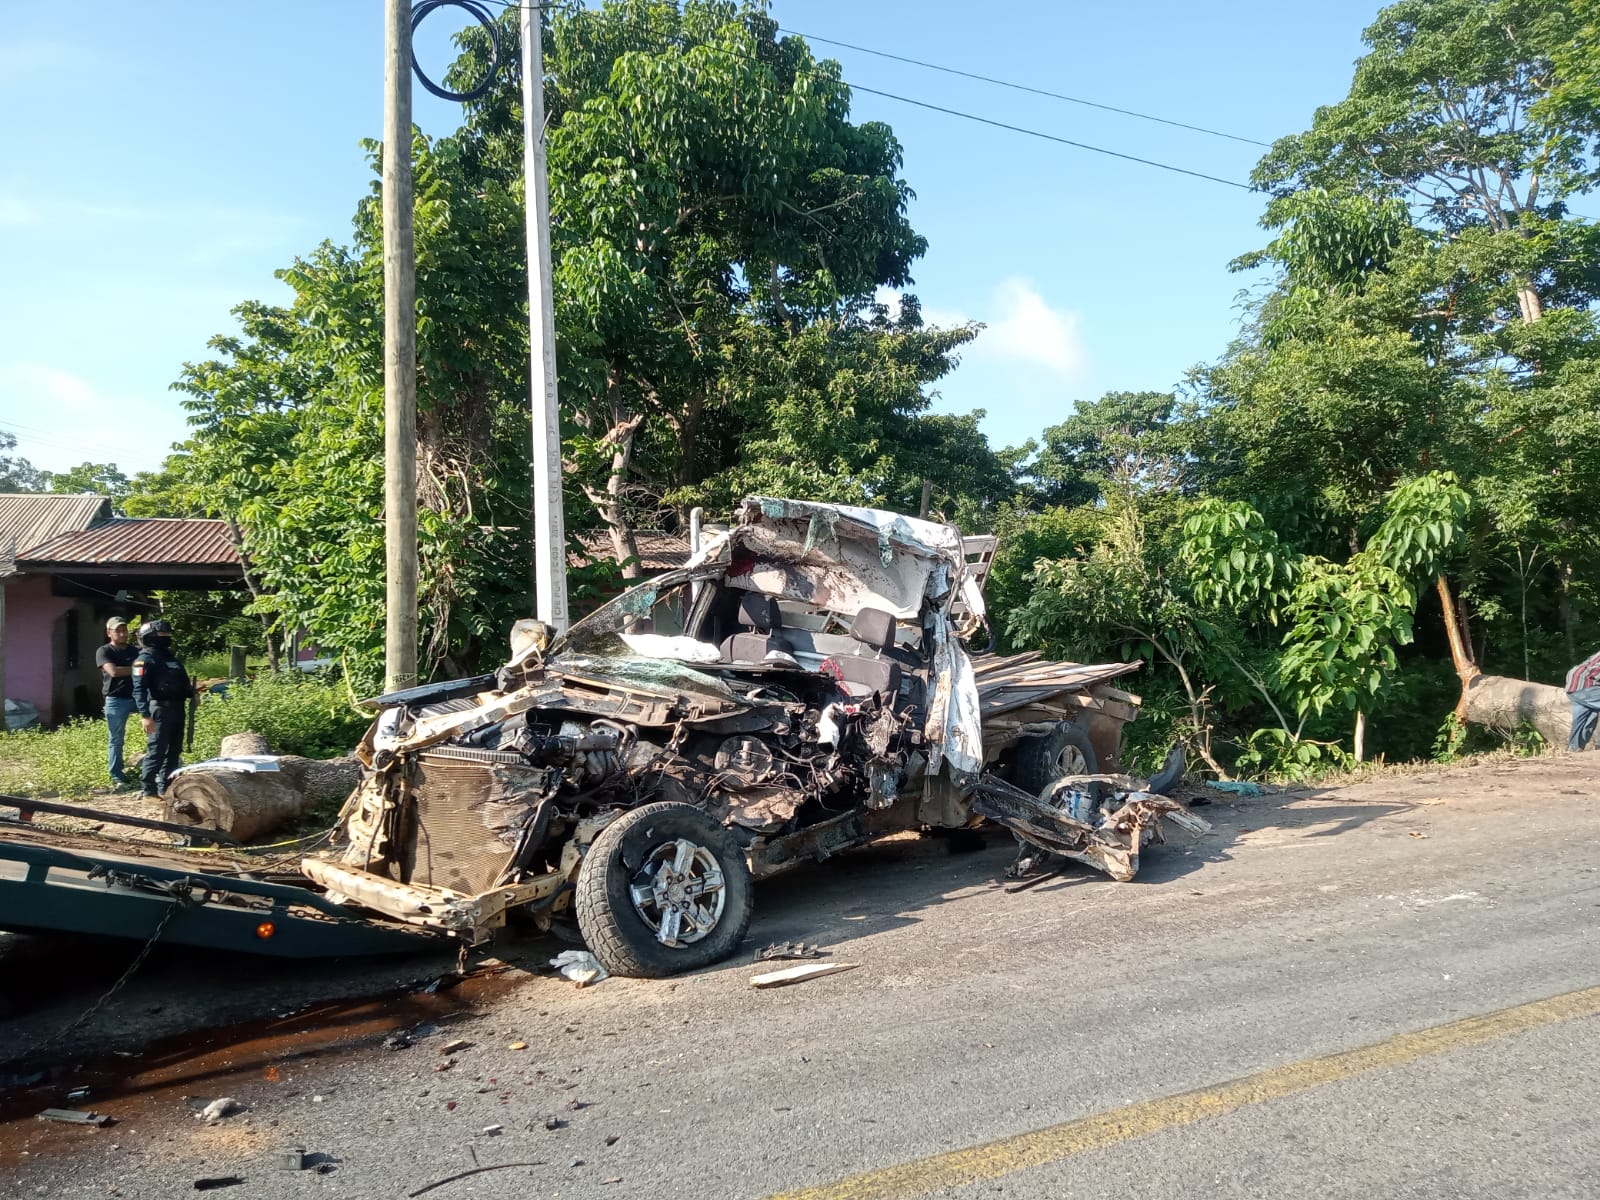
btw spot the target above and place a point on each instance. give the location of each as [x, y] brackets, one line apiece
[163, 160]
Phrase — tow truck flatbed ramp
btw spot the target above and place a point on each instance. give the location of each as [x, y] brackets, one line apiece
[57, 882]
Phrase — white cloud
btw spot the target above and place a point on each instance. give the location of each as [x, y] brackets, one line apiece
[1020, 328]
[61, 419]
[14, 210]
[1024, 327]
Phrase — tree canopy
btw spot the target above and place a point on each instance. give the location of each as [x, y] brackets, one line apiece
[1384, 481]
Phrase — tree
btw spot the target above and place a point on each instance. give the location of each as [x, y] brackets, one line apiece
[1138, 437]
[1466, 110]
[102, 479]
[719, 228]
[709, 190]
[1445, 111]
[17, 474]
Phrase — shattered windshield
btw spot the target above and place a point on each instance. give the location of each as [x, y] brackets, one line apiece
[644, 638]
[660, 606]
[664, 676]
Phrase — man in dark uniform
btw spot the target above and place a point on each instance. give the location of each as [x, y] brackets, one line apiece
[161, 688]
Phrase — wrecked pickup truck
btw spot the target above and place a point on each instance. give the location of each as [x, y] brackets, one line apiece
[798, 688]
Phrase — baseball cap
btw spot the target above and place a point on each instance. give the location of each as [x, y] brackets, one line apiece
[115, 622]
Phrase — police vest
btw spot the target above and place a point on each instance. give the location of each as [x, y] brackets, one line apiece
[164, 679]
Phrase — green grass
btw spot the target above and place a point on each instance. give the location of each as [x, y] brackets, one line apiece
[295, 715]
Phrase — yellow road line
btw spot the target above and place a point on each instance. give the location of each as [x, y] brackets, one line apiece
[1008, 1155]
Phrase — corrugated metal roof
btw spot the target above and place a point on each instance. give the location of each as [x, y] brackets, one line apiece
[136, 541]
[658, 550]
[27, 520]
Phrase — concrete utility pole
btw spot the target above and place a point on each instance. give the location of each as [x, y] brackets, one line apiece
[399, 357]
[549, 523]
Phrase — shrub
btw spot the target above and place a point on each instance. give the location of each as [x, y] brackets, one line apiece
[296, 715]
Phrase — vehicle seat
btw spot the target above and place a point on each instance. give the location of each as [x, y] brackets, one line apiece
[758, 618]
[866, 671]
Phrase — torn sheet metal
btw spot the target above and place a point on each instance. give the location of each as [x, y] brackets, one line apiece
[954, 727]
[844, 558]
[1112, 845]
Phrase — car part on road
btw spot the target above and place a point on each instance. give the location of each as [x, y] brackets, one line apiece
[779, 951]
[224, 1106]
[72, 1116]
[800, 974]
[1111, 842]
[579, 966]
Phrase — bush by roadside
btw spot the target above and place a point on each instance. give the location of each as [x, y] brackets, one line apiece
[296, 715]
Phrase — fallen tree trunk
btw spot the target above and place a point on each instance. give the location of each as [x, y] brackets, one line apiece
[1506, 705]
[1498, 702]
[249, 804]
[241, 745]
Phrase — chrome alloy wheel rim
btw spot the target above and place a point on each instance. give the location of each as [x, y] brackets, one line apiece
[679, 892]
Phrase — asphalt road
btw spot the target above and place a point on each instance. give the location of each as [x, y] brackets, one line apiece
[1167, 1037]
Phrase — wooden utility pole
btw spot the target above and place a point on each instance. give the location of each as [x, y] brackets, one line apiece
[399, 357]
[549, 522]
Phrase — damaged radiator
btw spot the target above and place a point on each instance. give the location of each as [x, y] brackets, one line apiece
[472, 820]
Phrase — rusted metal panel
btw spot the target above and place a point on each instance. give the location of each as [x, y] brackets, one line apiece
[27, 521]
[140, 541]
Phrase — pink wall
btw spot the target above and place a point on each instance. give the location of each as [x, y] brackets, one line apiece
[31, 641]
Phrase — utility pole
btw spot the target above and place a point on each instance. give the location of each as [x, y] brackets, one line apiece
[399, 357]
[549, 523]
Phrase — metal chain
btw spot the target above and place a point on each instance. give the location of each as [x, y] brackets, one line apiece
[88, 1014]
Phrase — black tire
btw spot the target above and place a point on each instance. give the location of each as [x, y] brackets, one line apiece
[1065, 750]
[622, 934]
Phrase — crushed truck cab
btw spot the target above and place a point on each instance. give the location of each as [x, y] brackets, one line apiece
[800, 687]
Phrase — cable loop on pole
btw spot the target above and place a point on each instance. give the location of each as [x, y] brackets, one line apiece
[479, 11]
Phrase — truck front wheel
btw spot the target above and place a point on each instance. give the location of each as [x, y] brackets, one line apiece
[663, 889]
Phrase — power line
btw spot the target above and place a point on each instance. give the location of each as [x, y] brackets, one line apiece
[1023, 87]
[1049, 137]
[27, 436]
[955, 112]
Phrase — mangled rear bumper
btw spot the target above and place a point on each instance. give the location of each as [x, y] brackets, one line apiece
[1112, 846]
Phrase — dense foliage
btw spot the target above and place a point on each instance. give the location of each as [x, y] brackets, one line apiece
[1406, 429]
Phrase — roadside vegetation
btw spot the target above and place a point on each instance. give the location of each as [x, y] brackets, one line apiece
[310, 717]
[1384, 483]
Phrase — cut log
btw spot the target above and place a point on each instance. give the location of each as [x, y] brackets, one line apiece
[319, 780]
[251, 804]
[1506, 705]
[243, 745]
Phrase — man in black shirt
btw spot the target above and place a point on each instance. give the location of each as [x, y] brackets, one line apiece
[115, 660]
[161, 687]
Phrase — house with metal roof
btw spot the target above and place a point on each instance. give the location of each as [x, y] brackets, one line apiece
[66, 564]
